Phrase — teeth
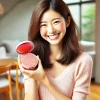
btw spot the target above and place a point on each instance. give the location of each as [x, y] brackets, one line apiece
[53, 36]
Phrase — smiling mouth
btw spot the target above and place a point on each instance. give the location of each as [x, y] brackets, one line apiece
[54, 36]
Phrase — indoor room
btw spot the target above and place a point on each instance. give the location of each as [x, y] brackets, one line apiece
[15, 16]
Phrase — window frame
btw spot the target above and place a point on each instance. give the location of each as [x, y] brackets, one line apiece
[80, 3]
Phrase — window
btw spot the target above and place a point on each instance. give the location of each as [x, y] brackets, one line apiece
[75, 12]
[83, 12]
[87, 0]
[71, 1]
[88, 22]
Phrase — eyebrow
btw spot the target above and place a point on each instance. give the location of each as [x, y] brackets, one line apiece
[51, 20]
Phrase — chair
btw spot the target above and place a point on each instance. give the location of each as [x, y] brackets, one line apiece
[16, 77]
[3, 52]
[18, 80]
[5, 84]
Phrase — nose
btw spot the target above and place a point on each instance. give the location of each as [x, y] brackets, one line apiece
[50, 29]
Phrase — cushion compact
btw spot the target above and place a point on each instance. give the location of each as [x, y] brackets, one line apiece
[28, 60]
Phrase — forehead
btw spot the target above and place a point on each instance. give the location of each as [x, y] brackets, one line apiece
[49, 15]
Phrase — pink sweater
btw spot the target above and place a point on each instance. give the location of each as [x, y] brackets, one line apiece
[74, 81]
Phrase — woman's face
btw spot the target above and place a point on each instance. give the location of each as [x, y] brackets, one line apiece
[52, 27]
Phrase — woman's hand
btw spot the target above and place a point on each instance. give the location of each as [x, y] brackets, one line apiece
[37, 74]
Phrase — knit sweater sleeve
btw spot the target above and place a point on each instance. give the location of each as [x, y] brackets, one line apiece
[83, 74]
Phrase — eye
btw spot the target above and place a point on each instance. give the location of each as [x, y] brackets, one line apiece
[43, 25]
[56, 22]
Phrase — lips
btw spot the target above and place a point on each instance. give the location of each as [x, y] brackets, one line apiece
[54, 36]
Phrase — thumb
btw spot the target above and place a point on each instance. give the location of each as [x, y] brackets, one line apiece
[39, 61]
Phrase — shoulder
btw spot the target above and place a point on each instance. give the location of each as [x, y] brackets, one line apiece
[86, 61]
[84, 64]
[84, 57]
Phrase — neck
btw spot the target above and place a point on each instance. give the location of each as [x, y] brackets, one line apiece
[55, 51]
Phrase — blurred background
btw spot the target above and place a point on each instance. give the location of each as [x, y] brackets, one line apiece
[15, 17]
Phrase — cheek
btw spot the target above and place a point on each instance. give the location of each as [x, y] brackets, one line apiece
[61, 27]
[42, 31]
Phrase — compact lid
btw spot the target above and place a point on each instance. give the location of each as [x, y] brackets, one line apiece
[25, 47]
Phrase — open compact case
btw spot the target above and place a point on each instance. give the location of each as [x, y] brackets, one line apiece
[28, 60]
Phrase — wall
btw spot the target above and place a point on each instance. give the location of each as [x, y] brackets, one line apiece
[97, 35]
[8, 5]
[15, 24]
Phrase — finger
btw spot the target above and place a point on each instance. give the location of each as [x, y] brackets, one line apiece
[39, 60]
[29, 73]
[39, 63]
[19, 58]
[19, 63]
[37, 57]
[21, 69]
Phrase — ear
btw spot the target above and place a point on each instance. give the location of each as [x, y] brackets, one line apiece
[68, 21]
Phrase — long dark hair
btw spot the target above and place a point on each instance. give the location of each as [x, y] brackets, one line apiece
[70, 43]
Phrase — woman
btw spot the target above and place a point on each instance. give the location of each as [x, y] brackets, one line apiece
[64, 71]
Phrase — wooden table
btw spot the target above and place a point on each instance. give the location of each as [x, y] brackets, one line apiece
[7, 61]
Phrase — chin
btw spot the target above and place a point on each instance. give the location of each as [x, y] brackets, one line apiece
[54, 42]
